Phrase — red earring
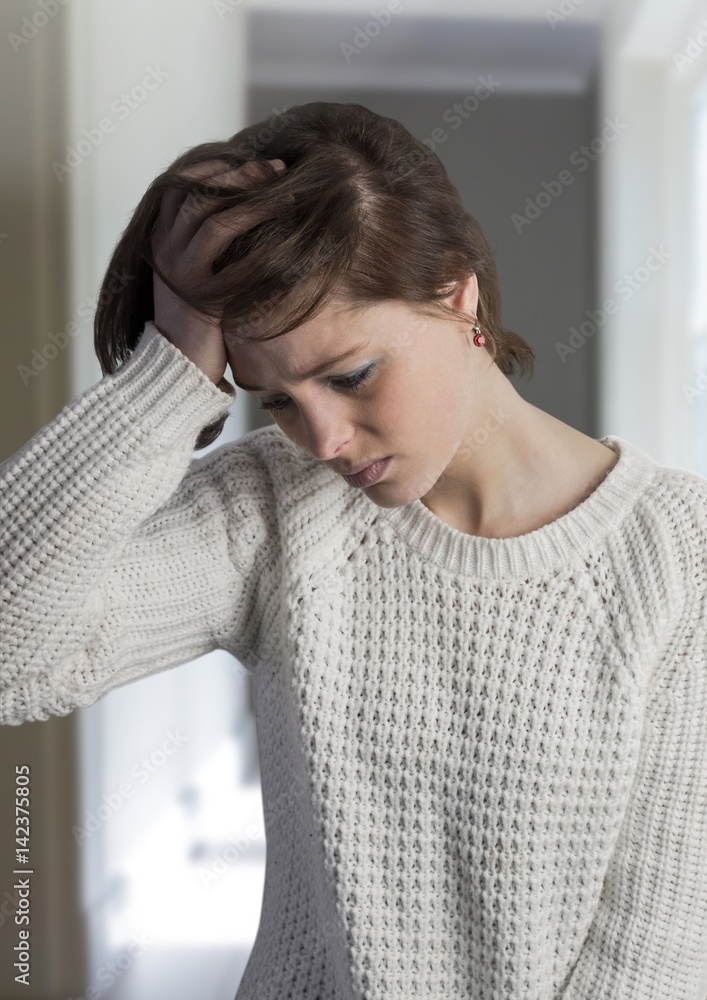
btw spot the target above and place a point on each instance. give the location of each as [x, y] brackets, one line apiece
[479, 338]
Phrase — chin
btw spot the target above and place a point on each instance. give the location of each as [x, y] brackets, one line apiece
[400, 490]
[386, 494]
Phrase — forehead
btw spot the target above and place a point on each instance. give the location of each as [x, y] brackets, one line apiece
[337, 328]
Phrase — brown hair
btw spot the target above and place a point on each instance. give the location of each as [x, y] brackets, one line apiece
[371, 216]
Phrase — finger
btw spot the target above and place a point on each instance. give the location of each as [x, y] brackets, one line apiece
[174, 197]
[194, 209]
[214, 236]
[198, 204]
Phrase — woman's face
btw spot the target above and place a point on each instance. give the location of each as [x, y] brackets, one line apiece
[415, 401]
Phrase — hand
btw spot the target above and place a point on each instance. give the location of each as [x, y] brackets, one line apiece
[185, 243]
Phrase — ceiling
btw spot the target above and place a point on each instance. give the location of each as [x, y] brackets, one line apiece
[447, 45]
[526, 10]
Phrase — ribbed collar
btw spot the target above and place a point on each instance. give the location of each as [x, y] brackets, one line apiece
[579, 531]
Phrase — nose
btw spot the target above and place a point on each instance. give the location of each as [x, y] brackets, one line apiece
[326, 430]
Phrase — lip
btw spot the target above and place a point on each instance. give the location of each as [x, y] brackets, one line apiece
[369, 475]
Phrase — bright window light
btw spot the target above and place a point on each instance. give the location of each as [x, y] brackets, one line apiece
[698, 298]
[194, 878]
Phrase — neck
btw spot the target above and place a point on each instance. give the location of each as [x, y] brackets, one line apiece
[513, 467]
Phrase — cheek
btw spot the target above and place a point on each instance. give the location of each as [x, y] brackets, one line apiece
[429, 409]
[396, 404]
[405, 412]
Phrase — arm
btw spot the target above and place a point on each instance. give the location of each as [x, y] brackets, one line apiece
[648, 939]
[120, 553]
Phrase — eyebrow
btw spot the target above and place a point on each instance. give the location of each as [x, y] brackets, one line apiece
[320, 369]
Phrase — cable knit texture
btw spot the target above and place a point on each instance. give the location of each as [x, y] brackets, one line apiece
[484, 761]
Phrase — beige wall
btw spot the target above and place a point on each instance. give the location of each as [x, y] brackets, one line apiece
[34, 262]
[34, 254]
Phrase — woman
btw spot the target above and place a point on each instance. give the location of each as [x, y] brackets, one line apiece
[479, 663]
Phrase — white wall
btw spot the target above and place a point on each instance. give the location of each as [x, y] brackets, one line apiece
[648, 199]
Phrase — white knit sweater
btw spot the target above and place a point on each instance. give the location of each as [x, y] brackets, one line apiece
[484, 761]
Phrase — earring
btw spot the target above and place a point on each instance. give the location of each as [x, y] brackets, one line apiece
[479, 338]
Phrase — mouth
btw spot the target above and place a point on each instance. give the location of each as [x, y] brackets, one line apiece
[369, 474]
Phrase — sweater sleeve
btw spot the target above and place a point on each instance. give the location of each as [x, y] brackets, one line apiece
[648, 939]
[121, 554]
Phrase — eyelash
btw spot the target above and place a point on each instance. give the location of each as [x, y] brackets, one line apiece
[351, 382]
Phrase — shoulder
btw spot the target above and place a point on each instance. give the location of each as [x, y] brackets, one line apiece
[681, 496]
[663, 503]
[674, 510]
[663, 533]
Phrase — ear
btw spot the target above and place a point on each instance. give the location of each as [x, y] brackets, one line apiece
[464, 295]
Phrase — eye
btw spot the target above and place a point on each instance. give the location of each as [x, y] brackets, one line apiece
[350, 382]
